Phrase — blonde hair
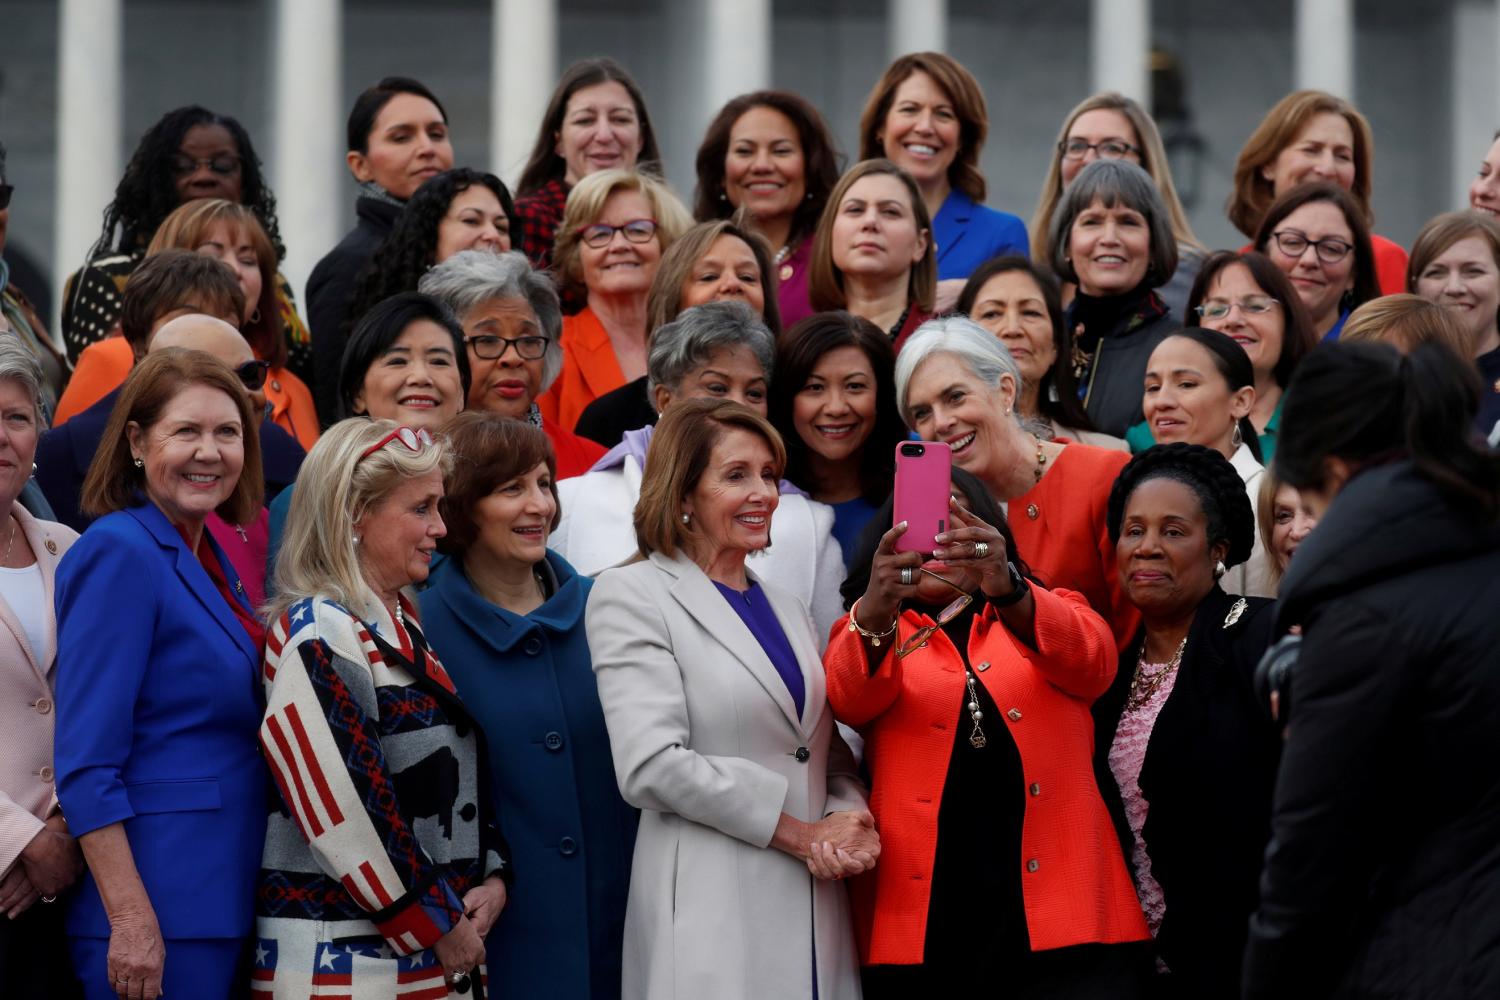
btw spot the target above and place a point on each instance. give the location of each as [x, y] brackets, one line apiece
[1252, 194]
[1404, 321]
[1265, 520]
[825, 282]
[318, 555]
[1154, 161]
[586, 203]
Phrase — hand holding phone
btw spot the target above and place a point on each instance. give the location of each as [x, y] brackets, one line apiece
[924, 475]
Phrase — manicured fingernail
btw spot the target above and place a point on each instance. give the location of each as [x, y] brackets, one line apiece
[902, 525]
[940, 539]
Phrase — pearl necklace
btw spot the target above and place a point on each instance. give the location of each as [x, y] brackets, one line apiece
[783, 254]
[976, 738]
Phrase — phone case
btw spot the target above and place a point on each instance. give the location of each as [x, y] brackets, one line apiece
[923, 483]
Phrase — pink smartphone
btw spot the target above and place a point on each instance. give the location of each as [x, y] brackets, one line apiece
[924, 473]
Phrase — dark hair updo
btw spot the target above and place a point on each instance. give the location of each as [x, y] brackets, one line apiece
[1218, 487]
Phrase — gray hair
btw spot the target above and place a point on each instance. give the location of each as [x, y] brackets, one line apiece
[980, 351]
[471, 278]
[697, 334]
[18, 365]
[1114, 182]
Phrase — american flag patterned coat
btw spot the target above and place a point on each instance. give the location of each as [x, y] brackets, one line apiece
[383, 821]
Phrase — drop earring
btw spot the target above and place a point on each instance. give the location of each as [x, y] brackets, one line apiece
[1220, 569]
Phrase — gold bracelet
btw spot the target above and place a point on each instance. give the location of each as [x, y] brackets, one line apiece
[874, 637]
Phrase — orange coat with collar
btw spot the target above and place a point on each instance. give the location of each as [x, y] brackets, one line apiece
[1063, 534]
[1076, 887]
[589, 370]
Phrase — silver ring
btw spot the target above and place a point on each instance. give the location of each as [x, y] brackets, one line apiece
[908, 575]
[458, 977]
[981, 549]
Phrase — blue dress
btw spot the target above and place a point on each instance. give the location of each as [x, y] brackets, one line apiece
[529, 682]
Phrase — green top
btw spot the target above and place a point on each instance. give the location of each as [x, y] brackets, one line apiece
[1139, 437]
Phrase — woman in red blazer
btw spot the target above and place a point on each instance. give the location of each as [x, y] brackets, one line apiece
[999, 862]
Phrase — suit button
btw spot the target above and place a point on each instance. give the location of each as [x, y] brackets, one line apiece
[45, 773]
[553, 741]
[1033, 865]
[802, 754]
[1036, 789]
[43, 705]
[983, 666]
[533, 646]
[568, 846]
[1014, 715]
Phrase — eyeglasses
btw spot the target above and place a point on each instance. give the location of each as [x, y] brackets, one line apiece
[414, 440]
[252, 374]
[223, 165]
[636, 231]
[490, 347]
[1109, 149]
[1330, 249]
[1250, 305]
[5, 190]
[919, 638]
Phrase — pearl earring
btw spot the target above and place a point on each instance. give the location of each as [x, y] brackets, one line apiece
[686, 518]
[139, 464]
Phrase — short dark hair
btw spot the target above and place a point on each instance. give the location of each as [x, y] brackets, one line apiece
[820, 157]
[1219, 489]
[545, 164]
[177, 279]
[1298, 336]
[410, 248]
[147, 193]
[114, 480]
[797, 353]
[1057, 391]
[381, 327]
[1366, 284]
[1114, 182]
[1367, 404]
[488, 451]
[368, 105]
[976, 497]
[1233, 365]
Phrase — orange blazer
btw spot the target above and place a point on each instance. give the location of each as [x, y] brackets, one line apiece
[1062, 533]
[1075, 885]
[103, 365]
[589, 370]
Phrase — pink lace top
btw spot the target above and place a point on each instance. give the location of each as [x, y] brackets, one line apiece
[1125, 756]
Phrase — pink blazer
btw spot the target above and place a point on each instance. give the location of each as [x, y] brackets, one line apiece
[27, 795]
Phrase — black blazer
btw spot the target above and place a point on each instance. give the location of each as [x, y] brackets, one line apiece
[330, 293]
[64, 454]
[607, 418]
[1208, 776]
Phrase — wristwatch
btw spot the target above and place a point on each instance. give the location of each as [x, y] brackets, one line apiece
[1018, 589]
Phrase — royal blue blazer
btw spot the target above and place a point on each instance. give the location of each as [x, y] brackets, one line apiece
[158, 707]
[529, 682]
[968, 234]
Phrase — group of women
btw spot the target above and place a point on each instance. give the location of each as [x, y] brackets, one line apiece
[538, 707]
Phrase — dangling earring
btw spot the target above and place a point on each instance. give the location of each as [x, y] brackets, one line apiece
[1237, 439]
[1220, 569]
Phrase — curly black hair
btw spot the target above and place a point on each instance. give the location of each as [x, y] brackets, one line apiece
[1218, 487]
[147, 193]
[411, 248]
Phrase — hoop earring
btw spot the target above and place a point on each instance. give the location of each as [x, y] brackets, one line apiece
[254, 317]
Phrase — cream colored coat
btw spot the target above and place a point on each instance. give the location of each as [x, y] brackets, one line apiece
[27, 713]
[705, 737]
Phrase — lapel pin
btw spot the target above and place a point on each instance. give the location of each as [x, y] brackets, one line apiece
[51, 546]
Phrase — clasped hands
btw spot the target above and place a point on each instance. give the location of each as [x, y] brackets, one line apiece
[47, 865]
[843, 843]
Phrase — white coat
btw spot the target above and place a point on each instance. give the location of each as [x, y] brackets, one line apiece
[708, 744]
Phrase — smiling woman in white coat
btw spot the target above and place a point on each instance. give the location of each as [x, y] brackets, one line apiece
[714, 696]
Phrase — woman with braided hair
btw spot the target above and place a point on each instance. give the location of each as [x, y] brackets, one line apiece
[1395, 691]
[1184, 749]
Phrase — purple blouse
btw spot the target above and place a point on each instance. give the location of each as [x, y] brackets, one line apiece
[760, 618]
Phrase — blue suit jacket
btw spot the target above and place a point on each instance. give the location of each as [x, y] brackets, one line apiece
[158, 706]
[529, 682]
[64, 454]
[968, 235]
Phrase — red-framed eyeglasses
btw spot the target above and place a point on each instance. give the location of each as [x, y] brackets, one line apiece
[414, 440]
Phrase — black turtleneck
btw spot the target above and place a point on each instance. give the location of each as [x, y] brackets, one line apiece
[1101, 316]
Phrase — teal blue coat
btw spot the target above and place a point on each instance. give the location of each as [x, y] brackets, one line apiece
[529, 682]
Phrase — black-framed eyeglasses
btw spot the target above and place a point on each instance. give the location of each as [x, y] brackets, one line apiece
[252, 374]
[1109, 149]
[636, 231]
[5, 192]
[1250, 305]
[222, 165]
[919, 638]
[1330, 249]
[491, 347]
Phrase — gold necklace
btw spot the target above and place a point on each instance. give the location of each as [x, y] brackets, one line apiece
[10, 541]
[1041, 459]
[1141, 689]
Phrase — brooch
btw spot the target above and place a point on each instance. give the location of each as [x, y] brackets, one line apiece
[1235, 612]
